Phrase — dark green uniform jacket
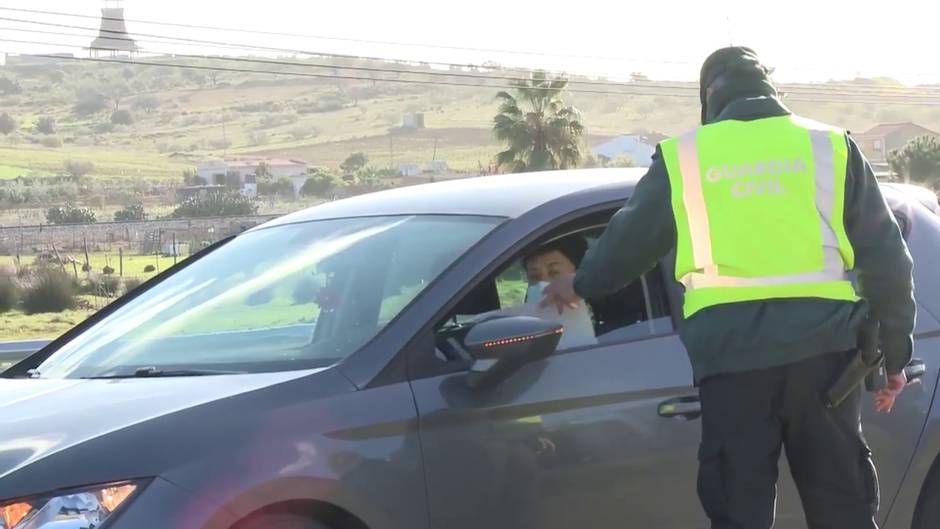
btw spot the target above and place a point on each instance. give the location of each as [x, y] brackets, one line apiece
[757, 335]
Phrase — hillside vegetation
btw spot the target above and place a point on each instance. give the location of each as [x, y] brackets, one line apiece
[150, 122]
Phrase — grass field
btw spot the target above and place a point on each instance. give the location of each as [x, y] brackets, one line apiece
[16, 325]
[134, 265]
[34, 160]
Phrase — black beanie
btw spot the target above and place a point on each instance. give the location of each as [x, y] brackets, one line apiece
[738, 73]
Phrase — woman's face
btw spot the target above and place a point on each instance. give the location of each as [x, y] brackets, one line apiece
[548, 266]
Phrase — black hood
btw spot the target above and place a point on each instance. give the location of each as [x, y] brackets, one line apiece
[732, 73]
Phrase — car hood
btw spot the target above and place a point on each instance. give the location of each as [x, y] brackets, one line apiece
[41, 417]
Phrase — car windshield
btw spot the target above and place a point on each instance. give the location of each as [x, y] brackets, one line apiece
[287, 297]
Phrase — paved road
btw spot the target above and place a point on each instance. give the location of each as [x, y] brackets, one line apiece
[12, 352]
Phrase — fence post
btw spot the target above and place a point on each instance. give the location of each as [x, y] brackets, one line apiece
[174, 248]
[87, 262]
[121, 260]
[58, 257]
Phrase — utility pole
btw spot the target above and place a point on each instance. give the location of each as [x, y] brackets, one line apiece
[224, 137]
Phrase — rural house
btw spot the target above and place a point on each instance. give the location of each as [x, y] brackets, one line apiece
[877, 142]
[242, 173]
[639, 146]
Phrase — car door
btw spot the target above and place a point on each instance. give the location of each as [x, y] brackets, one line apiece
[575, 440]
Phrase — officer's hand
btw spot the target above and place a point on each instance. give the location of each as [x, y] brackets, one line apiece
[560, 293]
[885, 397]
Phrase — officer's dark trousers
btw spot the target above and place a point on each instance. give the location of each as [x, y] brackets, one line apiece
[748, 417]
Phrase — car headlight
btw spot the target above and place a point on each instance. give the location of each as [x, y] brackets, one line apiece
[78, 509]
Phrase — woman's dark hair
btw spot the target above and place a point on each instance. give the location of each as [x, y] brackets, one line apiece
[571, 246]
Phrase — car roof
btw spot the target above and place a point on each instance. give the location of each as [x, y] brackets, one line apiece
[923, 195]
[507, 195]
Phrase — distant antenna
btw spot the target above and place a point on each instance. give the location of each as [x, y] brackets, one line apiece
[112, 37]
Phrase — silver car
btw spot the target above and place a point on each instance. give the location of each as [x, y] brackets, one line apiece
[330, 369]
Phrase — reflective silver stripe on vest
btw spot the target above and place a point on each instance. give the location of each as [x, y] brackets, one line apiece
[695, 280]
[825, 197]
[693, 198]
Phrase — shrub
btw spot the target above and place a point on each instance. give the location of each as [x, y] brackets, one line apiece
[281, 187]
[77, 168]
[305, 291]
[9, 294]
[52, 142]
[354, 162]
[86, 267]
[299, 133]
[327, 103]
[318, 184]
[8, 124]
[70, 214]
[107, 270]
[276, 120]
[220, 144]
[10, 86]
[214, 205]
[146, 103]
[133, 212]
[104, 127]
[122, 117]
[49, 290]
[90, 102]
[108, 285]
[131, 283]
[46, 125]
[150, 269]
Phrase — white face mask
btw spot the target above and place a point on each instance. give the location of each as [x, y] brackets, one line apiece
[534, 293]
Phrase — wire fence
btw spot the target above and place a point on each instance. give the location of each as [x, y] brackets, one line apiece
[126, 248]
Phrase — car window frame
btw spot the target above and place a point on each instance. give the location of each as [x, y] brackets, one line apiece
[421, 359]
[21, 369]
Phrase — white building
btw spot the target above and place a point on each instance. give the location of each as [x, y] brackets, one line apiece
[243, 172]
[409, 169]
[639, 146]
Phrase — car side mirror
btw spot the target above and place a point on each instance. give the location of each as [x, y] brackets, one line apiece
[502, 345]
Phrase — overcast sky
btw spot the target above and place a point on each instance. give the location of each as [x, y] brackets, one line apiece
[807, 40]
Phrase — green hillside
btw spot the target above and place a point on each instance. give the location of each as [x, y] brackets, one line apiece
[180, 116]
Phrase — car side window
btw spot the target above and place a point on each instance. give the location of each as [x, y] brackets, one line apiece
[640, 309]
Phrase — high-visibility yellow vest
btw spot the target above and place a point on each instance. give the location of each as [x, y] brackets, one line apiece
[759, 211]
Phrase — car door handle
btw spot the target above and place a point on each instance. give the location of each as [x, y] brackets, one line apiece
[688, 408]
[915, 370]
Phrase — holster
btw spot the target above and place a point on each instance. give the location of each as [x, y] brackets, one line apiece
[866, 365]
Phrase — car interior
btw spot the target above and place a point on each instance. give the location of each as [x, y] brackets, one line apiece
[638, 310]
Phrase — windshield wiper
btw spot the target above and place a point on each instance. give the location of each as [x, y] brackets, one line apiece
[153, 372]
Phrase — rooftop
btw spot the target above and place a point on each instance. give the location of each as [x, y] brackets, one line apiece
[883, 129]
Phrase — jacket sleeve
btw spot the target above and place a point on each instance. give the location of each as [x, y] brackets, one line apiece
[637, 236]
[883, 263]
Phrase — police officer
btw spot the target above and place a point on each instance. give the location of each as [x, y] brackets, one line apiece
[767, 213]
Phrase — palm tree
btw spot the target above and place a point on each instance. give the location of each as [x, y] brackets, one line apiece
[540, 130]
